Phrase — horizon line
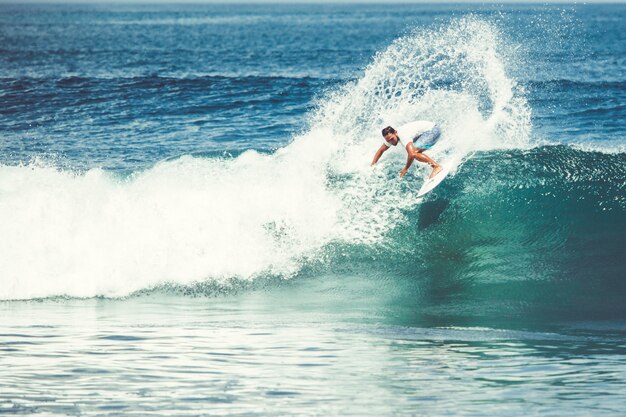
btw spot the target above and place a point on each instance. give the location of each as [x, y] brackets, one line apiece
[314, 2]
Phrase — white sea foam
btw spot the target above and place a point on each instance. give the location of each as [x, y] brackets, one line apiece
[195, 219]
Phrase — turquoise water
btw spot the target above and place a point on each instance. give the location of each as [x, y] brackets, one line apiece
[190, 226]
[305, 348]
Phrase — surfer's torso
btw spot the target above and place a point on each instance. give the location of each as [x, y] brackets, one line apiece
[410, 132]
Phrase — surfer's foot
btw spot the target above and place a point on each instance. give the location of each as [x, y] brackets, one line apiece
[436, 170]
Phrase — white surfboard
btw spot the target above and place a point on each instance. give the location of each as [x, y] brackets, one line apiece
[431, 183]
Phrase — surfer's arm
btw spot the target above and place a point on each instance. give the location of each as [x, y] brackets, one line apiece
[409, 159]
[383, 148]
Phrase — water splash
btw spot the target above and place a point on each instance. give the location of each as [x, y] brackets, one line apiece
[455, 75]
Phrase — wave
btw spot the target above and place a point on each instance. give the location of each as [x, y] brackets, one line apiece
[316, 204]
[195, 224]
[579, 84]
[184, 82]
[203, 94]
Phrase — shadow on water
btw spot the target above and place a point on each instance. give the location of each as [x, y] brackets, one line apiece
[430, 212]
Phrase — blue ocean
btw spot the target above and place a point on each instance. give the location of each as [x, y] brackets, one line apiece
[190, 225]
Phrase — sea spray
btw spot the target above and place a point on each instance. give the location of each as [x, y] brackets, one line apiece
[455, 75]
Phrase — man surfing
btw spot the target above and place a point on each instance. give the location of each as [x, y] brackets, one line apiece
[420, 136]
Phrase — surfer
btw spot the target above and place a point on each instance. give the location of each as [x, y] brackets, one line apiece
[420, 136]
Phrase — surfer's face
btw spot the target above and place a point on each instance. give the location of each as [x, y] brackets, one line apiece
[392, 138]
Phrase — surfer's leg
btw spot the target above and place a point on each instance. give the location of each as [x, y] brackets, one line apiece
[427, 159]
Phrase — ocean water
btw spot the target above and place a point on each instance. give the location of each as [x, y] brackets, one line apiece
[189, 224]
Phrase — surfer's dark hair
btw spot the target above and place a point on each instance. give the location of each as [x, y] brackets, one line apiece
[388, 130]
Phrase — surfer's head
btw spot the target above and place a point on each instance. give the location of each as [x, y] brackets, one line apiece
[391, 135]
